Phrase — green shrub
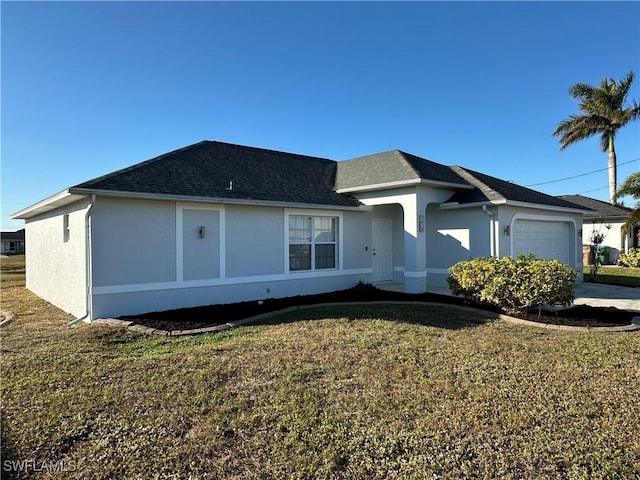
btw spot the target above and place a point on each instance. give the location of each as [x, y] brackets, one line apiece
[513, 284]
[631, 258]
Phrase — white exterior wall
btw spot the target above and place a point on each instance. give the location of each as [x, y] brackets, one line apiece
[134, 241]
[414, 201]
[455, 235]
[146, 252]
[356, 227]
[55, 269]
[615, 240]
[255, 241]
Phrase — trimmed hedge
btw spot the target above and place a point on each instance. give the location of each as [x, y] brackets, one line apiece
[513, 284]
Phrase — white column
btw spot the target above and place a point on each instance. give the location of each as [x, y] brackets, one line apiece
[415, 243]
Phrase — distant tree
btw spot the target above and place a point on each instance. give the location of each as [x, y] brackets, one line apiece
[602, 112]
[631, 187]
[595, 240]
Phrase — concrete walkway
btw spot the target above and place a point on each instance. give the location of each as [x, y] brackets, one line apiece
[587, 293]
[600, 295]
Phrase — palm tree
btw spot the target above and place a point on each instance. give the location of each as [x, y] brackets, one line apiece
[602, 112]
[631, 186]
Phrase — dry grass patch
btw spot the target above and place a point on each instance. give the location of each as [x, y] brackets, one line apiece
[355, 392]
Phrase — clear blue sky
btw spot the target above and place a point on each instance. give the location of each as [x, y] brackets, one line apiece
[88, 88]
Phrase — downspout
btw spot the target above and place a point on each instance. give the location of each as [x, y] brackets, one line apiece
[493, 230]
[88, 264]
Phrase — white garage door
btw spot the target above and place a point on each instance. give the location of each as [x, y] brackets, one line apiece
[545, 239]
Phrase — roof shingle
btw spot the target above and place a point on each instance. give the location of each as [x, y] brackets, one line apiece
[488, 188]
[392, 167]
[206, 169]
[600, 209]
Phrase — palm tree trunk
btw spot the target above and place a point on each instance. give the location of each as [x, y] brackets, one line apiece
[613, 172]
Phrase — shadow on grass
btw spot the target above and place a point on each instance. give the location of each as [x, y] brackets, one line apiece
[11, 463]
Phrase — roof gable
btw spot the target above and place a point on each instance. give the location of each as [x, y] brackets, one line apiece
[491, 189]
[221, 170]
[391, 168]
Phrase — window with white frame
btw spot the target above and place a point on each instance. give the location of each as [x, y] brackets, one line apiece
[312, 242]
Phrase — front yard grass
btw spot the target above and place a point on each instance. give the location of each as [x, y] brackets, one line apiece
[407, 391]
[625, 276]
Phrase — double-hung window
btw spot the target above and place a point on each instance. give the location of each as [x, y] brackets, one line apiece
[312, 242]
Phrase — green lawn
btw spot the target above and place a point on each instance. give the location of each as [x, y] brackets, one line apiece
[359, 392]
[616, 275]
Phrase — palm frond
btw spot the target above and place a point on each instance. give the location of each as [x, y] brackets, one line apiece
[602, 112]
[631, 187]
[631, 221]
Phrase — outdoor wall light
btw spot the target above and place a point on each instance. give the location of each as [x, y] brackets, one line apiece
[421, 223]
[201, 231]
[507, 230]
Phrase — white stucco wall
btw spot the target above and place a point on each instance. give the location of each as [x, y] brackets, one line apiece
[254, 241]
[357, 240]
[614, 239]
[148, 255]
[134, 241]
[55, 269]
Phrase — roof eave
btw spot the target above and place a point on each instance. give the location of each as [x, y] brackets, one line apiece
[217, 200]
[458, 206]
[541, 206]
[58, 200]
[405, 183]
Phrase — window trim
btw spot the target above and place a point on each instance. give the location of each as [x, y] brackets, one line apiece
[338, 243]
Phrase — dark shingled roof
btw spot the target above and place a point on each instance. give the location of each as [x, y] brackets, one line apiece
[493, 189]
[601, 209]
[17, 235]
[392, 166]
[206, 169]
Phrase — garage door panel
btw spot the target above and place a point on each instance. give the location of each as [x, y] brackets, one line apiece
[544, 239]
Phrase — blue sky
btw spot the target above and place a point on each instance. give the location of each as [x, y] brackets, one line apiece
[88, 88]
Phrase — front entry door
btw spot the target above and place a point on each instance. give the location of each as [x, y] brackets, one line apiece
[382, 262]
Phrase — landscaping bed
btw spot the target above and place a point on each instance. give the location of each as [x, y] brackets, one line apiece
[211, 315]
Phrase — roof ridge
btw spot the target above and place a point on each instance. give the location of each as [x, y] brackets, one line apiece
[411, 166]
[469, 176]
[270, 150]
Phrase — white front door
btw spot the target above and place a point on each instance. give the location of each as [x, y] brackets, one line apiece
[381, 250]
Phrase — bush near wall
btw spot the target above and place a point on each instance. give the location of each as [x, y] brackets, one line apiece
[513, 284]
[631, 258]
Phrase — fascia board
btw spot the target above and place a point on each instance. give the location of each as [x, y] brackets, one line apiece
[404, 183]
[60, 199]
[218, 200]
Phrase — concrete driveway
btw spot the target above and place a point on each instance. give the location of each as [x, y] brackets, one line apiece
[600, 295]
[587, 293]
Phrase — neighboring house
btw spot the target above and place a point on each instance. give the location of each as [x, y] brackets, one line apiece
[219, 223]
[605, 214]
[12, 242]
